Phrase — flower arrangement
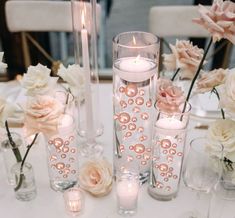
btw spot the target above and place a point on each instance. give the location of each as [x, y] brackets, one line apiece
[187, 61]
[42, 114]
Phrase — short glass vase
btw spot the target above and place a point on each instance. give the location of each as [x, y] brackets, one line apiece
[25, 186]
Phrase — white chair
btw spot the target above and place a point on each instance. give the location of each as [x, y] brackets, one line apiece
[176, 21]
[166, 21]
[37, 16]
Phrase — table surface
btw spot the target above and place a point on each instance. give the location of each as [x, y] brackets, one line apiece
[49, 203]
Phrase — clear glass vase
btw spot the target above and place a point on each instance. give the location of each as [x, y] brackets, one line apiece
[12, 154]
[25, 187]
[85, 17]
[135, 66]
[167, 153]
[228, 174]
[62, 152]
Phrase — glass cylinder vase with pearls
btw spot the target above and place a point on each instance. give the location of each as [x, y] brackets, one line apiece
[135, 65]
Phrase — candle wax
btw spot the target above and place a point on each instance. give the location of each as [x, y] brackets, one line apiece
[73, 201]
[127, 192]
[88, 97]
[135, 69]
[170, 123]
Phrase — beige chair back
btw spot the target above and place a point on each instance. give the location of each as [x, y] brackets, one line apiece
[25, 16]
[166, 21]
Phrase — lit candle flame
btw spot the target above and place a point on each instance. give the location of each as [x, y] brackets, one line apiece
[134, 40]
[83, 19]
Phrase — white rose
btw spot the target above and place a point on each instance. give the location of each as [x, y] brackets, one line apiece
[96, 177]
[42, 115]
[38, 81]
[227, 92]
[221, 139]
[3, 66]
[74, 76]
[7, 109]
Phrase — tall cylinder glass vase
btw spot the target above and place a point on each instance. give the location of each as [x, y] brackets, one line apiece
[135, 64]
[168, 150]
[62, 153]
[12, 154]
[86, 16]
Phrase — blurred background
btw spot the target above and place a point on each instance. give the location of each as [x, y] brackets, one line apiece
[117, 16]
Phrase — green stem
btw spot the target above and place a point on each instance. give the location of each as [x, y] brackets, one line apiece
[198, 71]
[175, 74]
[22, 163]
[15, 149]
[214, 90]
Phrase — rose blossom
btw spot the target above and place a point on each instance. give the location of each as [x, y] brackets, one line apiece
[74, 76]
[96, 177]
[184, 56]
[3, 66]
[219, 20]
[227, 92]
[221, 139]
[211, 79]
[169, 97]
[42, 114]
[38, 81]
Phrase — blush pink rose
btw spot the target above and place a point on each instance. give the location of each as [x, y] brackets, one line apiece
[184, 56]
[227, 92]
[169, 96]
[211, 79]
[219, 20]
[96, 177]
[42, 114]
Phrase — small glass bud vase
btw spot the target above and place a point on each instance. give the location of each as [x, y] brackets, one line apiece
[12, 155]
[25, 187]
[74, 201]
[228, 174]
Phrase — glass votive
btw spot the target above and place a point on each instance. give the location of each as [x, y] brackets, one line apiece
[222, 201]
[74, 201]
[127, 193]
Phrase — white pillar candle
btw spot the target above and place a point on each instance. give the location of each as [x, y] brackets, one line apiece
[170, 123]
[135, 69]
[86, 68]
[127, 193]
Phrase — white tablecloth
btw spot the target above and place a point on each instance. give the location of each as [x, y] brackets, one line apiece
[49, 204]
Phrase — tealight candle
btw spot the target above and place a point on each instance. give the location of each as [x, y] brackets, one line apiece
[127, 194]
[170, 123]
[73, 199]
[135, 69]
